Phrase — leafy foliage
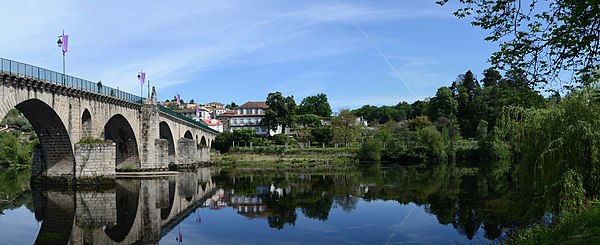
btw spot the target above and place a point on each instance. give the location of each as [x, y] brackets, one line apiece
[556, 150]
[543, 37]
[370, 150]
[281, 111]
[15, 152]
[308, 120]
[316, 104]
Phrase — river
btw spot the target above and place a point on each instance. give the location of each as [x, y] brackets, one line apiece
[373, 204]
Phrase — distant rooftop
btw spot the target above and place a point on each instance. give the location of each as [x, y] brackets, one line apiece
[256, 104]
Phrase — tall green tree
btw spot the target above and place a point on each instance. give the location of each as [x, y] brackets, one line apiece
[542, 37]
[281, 111]
[443, 104]
[470, 102]
[315, 104]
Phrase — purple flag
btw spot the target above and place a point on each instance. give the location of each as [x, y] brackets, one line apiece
[65, 43]
[198, 111]
[142, 77]
[180, 237]
[178, 99]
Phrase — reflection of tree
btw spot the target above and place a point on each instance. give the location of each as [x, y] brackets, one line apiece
[346, 202]
[283, 211]
[318, 209]
[466, 198]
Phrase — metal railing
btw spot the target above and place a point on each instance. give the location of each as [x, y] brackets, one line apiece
[22, 69]
[187, 119]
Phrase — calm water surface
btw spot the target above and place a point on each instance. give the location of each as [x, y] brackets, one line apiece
[370, 205]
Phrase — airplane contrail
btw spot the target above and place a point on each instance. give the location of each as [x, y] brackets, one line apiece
[387, 61]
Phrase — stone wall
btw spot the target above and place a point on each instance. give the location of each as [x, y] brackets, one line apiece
[203, 154]
[186, 151]
[162, 157]
[95, 160]
[96, 208]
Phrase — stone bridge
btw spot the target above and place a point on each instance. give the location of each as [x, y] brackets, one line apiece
[137, 211]
[63, 110]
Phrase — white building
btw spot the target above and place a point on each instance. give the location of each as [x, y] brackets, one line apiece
[250, 116]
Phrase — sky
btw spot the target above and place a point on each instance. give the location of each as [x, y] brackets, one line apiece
[356, 52]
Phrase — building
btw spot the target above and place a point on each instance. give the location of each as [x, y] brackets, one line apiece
[214, 124]
[202, 113]
[248, 116]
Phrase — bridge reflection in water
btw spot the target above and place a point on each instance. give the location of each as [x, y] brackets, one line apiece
[136, 211]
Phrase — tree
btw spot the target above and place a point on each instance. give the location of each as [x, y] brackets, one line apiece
[316, 104]
[418, 108]
[344, 126]
[307, 120]
[192, 101]
[443, 104]
[469, 103]
[281, 111]
[231, 106]
[322, 135]
[542, 37]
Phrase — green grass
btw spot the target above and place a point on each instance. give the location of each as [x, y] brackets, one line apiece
[583, 228]
[293, 162]
[91, 140]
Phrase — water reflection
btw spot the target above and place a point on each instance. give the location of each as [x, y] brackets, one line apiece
[137, 210]
[369, 204]
[463, 198]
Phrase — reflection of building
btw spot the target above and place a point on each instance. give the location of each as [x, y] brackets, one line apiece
[248, 204]
[217, 200]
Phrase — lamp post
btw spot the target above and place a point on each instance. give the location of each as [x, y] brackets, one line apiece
[139, 77]
[60, 44]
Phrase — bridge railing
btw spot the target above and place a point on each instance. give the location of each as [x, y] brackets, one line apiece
[26, 70]
[187, 119]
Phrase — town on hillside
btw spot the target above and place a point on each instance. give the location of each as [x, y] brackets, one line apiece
[231, 117]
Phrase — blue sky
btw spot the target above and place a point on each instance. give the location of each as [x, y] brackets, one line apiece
[242, 50]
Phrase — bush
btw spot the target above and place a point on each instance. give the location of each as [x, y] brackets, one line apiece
[281, 139]
[91, 140]
[370, 150]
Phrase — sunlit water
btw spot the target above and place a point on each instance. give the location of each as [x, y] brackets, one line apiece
[368, 206]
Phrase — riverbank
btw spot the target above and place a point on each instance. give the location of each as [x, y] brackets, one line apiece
[303, 162]
[583, 228]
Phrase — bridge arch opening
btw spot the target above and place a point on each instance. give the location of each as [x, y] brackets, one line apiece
[128, 192]
[188, 135]
[54, 155]
[170, 193]
[203, 142]
[120, 132]
[86, 123]
[165, 133]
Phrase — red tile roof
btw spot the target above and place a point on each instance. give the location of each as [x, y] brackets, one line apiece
[255, 104]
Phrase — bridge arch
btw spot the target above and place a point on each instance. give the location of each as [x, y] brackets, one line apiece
[165, 211]
[55, 156]
[165, 133]
[128, 192]
[203, 141]
[188, 135]
[120, 132]
[86, 124]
